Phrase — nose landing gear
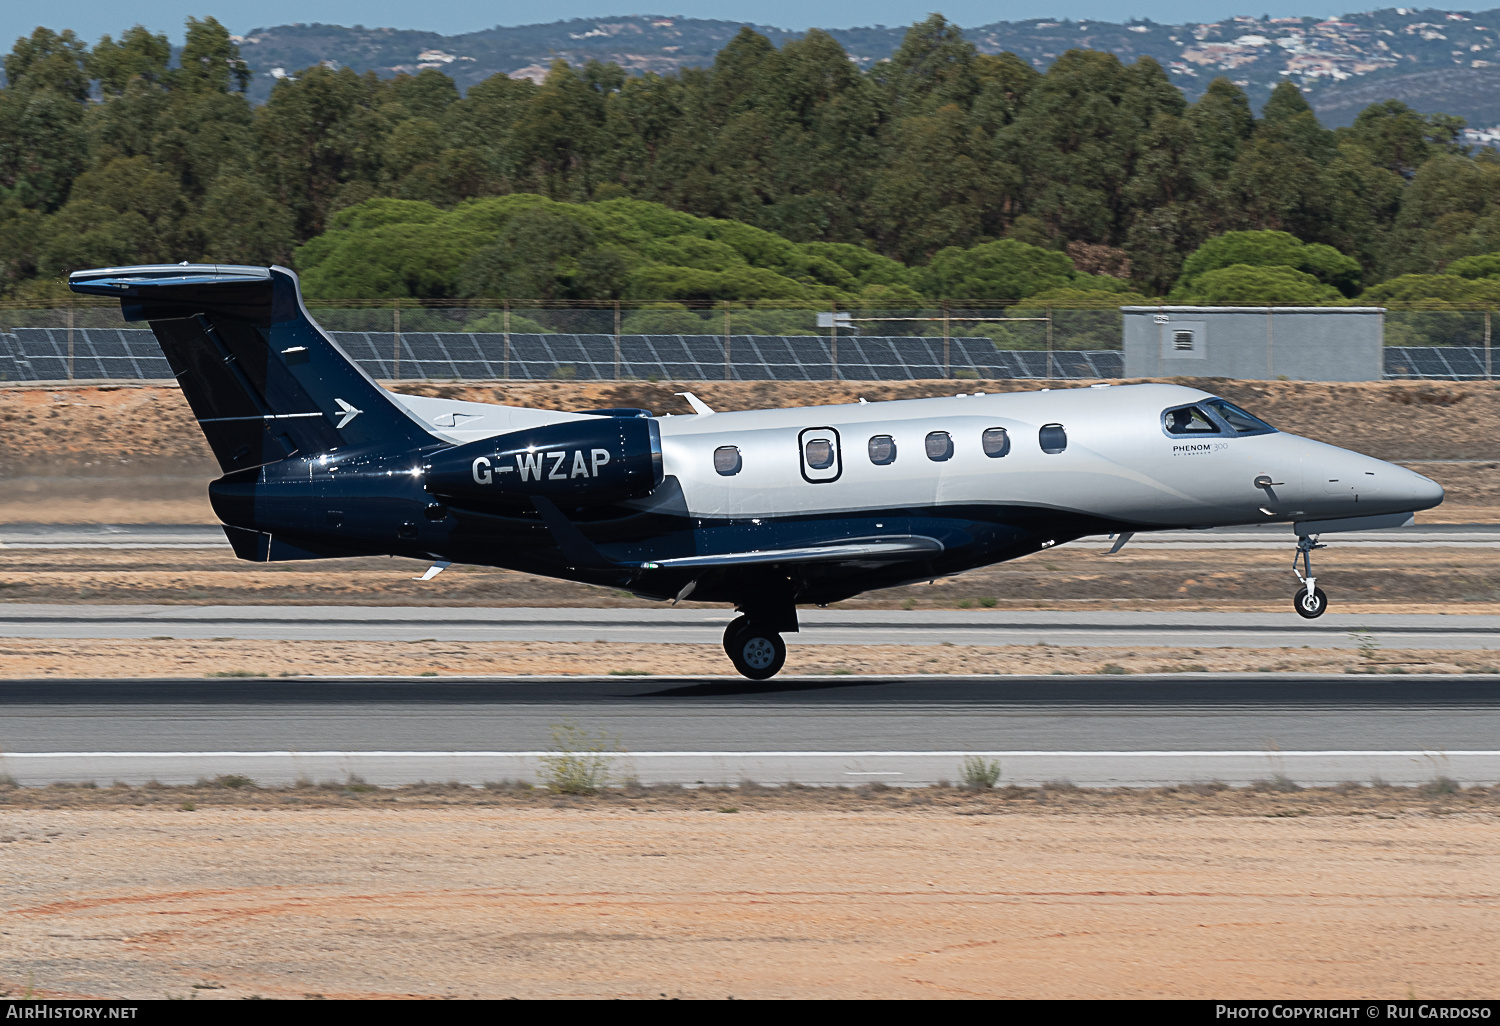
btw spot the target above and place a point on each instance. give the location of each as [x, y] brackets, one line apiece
[1308, 600]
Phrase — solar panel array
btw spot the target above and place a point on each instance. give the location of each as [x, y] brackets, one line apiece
[1455, 363]
[43, 354]
[704, 358]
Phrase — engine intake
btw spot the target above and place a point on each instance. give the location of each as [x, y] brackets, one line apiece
[579, 462]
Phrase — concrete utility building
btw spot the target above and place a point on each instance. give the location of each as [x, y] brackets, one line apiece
[1303, 343]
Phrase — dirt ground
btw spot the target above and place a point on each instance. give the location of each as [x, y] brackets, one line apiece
[25, 659]
[880, 897]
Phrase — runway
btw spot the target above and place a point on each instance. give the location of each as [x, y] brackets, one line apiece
[1273, 536]
[679, 625]
[835, 730]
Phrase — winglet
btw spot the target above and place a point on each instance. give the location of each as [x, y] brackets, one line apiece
[698, 405]
[433, 571]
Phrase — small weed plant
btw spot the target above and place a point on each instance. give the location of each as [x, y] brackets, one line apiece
[979, 774]
[577, 764]
[1441, 785]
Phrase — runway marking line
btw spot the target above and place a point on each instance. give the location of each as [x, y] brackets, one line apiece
[1419, 753]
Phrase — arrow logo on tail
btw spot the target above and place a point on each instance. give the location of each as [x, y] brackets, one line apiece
[349, 413]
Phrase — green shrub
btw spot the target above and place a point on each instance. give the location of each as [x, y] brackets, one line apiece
[577, 764]
[979, 774]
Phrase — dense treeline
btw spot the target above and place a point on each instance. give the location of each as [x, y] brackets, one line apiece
[942, 172]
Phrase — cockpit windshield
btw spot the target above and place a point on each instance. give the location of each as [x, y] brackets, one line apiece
[1189, 420]
[1243, 423]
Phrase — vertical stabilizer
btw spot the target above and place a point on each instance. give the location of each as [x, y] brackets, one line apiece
[264, 381]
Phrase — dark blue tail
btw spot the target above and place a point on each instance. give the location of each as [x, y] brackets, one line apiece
[264, 381]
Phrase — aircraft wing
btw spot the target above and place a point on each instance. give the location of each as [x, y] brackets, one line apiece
[885, 548]
[891, 549]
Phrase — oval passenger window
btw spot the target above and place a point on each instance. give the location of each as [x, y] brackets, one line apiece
[996, 442]
[1052, 438]
[819, 452]
[882, 450]
[939, 446]
[727, 460]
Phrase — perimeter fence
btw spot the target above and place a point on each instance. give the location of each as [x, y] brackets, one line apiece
[467, 341]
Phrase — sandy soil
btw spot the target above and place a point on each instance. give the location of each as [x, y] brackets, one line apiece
[27, 659]
[1076, 576]
[609, 900]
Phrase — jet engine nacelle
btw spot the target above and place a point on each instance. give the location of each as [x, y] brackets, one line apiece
[602, 459]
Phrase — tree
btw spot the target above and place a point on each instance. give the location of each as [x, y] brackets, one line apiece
[1447, 212]
[1077, 141]
[50, 60]
[1247, 285]
[211, 61]
[1402, 140]
[319, 139]
[934, 67]
[1278, 181]
[139, 56]
[996, 272]
[1434, 292]
[1271, 249]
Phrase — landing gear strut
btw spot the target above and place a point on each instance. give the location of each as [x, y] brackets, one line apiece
[1308, 600]
[756, 650]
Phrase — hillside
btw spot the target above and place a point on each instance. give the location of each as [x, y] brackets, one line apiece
[1398, 48]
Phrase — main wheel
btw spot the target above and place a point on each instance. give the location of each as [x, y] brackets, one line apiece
[757, 653]
[736, 625]
[1310, 606]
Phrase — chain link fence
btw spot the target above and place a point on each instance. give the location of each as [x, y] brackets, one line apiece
[467, 341]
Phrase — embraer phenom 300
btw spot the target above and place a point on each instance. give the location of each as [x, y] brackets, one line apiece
[763, 509]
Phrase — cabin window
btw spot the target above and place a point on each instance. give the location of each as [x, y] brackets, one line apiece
[939, 446]
[1053, 438]
[996, 442]
[1188, 420]
[819, 452]
[882, 450]
[1241, 422]
[727, 461]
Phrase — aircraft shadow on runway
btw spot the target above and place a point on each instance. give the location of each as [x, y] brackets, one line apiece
[1341, 691]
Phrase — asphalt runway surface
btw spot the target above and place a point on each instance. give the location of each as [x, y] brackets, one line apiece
[1272, 536]
[834, 730]
[1096, 629]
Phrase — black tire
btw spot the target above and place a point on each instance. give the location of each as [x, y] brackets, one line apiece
[1313, 609]
[757, 653]
[736, 625]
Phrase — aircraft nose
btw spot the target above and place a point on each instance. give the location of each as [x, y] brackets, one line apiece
[1425, 492]
[1406, 489]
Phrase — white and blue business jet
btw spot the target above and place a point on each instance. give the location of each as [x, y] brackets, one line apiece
[763, 509]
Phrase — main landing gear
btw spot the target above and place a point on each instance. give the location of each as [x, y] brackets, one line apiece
[756, 650]
[1308, 600]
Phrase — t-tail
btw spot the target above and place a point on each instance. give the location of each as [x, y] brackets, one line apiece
[264, 381]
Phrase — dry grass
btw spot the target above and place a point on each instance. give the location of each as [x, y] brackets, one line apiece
[111, 658]
[1276, 798]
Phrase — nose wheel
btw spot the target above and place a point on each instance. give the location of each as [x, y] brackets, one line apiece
[1309, 600]
[756, 651]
